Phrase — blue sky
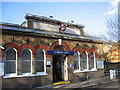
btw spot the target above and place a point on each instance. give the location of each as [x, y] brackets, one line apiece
[90, 14]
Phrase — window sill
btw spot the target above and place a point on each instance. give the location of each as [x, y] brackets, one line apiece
[25, 75]
[78, 71]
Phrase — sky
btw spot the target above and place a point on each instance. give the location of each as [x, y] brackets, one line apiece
[92, 14]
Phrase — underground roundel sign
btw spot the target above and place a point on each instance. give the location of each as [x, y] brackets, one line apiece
[62, 27]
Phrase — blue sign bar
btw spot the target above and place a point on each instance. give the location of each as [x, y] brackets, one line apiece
[60, 52]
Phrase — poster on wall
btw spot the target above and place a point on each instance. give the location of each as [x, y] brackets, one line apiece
[1, 68]
[49, 63]
[100, 64]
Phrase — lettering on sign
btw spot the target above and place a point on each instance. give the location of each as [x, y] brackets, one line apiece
[60, 52]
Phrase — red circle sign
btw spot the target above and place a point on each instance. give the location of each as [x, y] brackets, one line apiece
[62, 27]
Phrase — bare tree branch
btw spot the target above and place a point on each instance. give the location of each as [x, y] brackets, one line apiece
[113, 26]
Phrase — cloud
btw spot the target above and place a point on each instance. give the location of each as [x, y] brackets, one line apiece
[113, 8]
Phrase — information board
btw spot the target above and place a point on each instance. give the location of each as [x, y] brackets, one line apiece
[100, 64]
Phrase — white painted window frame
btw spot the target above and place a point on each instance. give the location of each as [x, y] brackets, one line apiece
[11, 74]
[87, 70]
[87, 62]
[40, 73]
[78, 63]
[26, 74]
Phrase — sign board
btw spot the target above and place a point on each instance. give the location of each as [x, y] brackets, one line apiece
[71, 64]
[1, 68]
[100, 64]
[60, 52]
[55, 28]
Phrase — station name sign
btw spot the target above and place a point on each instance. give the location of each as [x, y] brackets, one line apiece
[60, 52]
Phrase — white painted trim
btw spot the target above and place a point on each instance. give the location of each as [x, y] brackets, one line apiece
[31, 60]
[25, 75]
[43, 60]
[2, 47]
[60, 41]
[66, 69]
[14, 60]
[87, 62]
[95, 67]
[94, 61]
[78, 61]
[85, 70]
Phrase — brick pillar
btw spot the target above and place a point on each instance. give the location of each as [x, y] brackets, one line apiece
[19, 66]
[33, 66]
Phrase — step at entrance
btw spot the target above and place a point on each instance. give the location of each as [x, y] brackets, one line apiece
[63, 82]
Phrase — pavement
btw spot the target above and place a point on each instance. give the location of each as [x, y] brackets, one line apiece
[83, 84]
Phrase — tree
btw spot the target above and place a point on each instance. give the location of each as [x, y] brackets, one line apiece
[113, 25]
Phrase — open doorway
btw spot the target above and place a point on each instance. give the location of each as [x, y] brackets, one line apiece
[60, 69]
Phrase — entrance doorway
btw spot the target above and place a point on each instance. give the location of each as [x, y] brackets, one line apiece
[60, 69]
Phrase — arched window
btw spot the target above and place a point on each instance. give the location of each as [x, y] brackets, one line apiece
[11, 61]
[76, 60]
[84, 60]
[40, 61]
[26, 61]
[92, 61]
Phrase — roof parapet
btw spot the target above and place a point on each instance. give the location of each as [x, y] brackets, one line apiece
[51, 20]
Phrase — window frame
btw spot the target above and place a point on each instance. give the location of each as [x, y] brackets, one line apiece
[86, 69]
[11, 74]
[44, 56]
[28, 60]
[94, 68]
[77, 61]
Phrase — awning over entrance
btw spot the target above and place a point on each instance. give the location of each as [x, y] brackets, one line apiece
[60, 52]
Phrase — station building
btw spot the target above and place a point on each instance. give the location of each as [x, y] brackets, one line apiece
[41, 51]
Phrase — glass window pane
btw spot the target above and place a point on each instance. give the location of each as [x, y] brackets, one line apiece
[84, 65]
[91, 65]
[40, 66]
[26, 61]
[39, 54]
[76, 61]
[10, 54]
[10, 63]
[84, 60]
[84, 56]
[40, 60]
[10, 67]
[91, 62]
[76, 65]
[26, 54]
[26, 66]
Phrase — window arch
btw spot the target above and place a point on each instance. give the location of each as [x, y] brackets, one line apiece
[92, 61]
[85, 60]
[40, 61]
[11, 61]
[26, 61]
[76, 60]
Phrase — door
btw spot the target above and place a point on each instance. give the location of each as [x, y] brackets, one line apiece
[58, 69]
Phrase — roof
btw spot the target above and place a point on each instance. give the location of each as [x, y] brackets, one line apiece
[17, 29]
